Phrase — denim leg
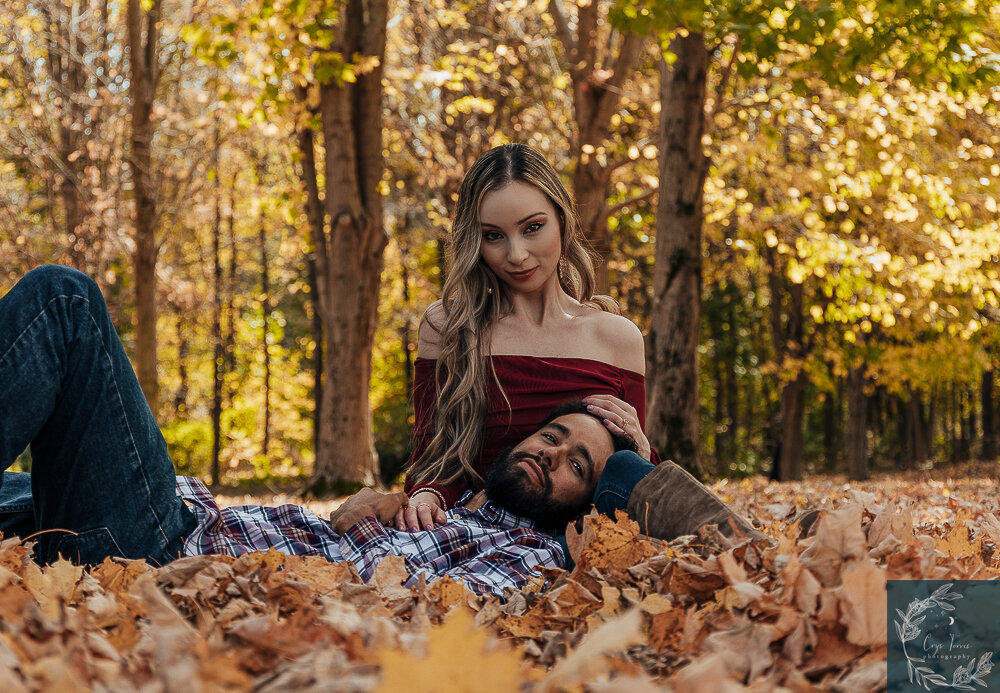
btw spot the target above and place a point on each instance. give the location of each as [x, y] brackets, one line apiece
[622, 472]
[101, 476]
[17, 511]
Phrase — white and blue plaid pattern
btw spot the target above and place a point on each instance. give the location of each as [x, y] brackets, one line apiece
[489, 548]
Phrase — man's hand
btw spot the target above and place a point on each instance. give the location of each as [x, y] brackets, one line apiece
[367, 503]
[423, 512]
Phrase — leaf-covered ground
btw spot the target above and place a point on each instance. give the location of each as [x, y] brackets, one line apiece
[698, 614]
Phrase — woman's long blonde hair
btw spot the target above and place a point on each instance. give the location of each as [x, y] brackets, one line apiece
[474, 299]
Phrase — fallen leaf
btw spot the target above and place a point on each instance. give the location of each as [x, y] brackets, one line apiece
[863, 603]
[460, 658]
[54, 586]
[747, 648]
[612, 543]
[586, 659]
[838, 537]
[389, 576]
[958, 542]
[706, 674]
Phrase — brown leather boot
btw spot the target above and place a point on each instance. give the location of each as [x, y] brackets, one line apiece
[669, 503]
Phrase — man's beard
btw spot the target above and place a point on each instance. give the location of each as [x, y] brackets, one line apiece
[509, 485]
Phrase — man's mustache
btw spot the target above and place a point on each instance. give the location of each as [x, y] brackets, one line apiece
[543, 468]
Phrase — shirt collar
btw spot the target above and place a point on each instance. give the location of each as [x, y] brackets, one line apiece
[494, 514]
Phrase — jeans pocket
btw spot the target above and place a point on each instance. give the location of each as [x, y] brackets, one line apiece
[86, 548]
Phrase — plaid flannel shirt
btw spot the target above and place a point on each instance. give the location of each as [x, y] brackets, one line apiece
[489, 548]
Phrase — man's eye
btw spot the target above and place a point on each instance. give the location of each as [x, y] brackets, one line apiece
[549, 437]
[578, 467]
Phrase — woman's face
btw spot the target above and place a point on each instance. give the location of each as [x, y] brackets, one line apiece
[522, 240]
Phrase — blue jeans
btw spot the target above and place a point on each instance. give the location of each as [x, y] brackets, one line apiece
[622, 472]
[102, 483]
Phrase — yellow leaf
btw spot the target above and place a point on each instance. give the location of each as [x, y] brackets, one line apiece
[447, 593]
[958, 543]
[459, 659]
[53, 587]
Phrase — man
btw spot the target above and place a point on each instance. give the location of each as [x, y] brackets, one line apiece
[531, 492]
[103, 484]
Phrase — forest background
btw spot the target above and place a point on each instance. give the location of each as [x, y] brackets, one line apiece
[797, 203]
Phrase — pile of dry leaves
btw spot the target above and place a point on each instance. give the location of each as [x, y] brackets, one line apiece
[698, 614]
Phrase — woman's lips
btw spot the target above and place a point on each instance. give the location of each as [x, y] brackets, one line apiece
[522, 276]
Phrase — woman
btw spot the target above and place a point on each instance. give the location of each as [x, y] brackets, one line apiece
[517, 330]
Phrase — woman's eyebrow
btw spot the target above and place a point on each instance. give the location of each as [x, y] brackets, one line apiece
[484, 224]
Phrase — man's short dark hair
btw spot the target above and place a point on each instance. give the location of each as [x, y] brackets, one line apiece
[576, 406]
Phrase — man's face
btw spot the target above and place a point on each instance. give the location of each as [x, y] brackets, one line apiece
[550, 476]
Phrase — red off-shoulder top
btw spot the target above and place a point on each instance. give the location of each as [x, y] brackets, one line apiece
[534, 386]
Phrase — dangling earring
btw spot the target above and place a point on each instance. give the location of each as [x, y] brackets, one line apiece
[561, 269]
[489, 290]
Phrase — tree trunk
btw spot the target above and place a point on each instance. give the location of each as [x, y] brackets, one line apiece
[831, 430]
[718, 378]
[143, 40]
[350, 252]
[732, 387]
[857, 420]
[180, 399]
[229, 309]
[750, 388]
[317, 223]
[265, 310]
[317, 360]
[952, 422]
[673, 399]
[217, 337]
[792, 412]
[922, 432]
[972, 441]
[988, 451]
[787, 336]
[406, 331]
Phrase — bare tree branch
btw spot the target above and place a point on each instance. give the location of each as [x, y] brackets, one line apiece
[624, 64]
[727, 71]
[610, 212]
[562, 28]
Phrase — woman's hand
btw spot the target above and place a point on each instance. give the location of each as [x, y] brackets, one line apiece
[620, 418]
[423, 512]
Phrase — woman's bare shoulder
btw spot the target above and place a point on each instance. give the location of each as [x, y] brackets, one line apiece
[620, 339]
[429, 332]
